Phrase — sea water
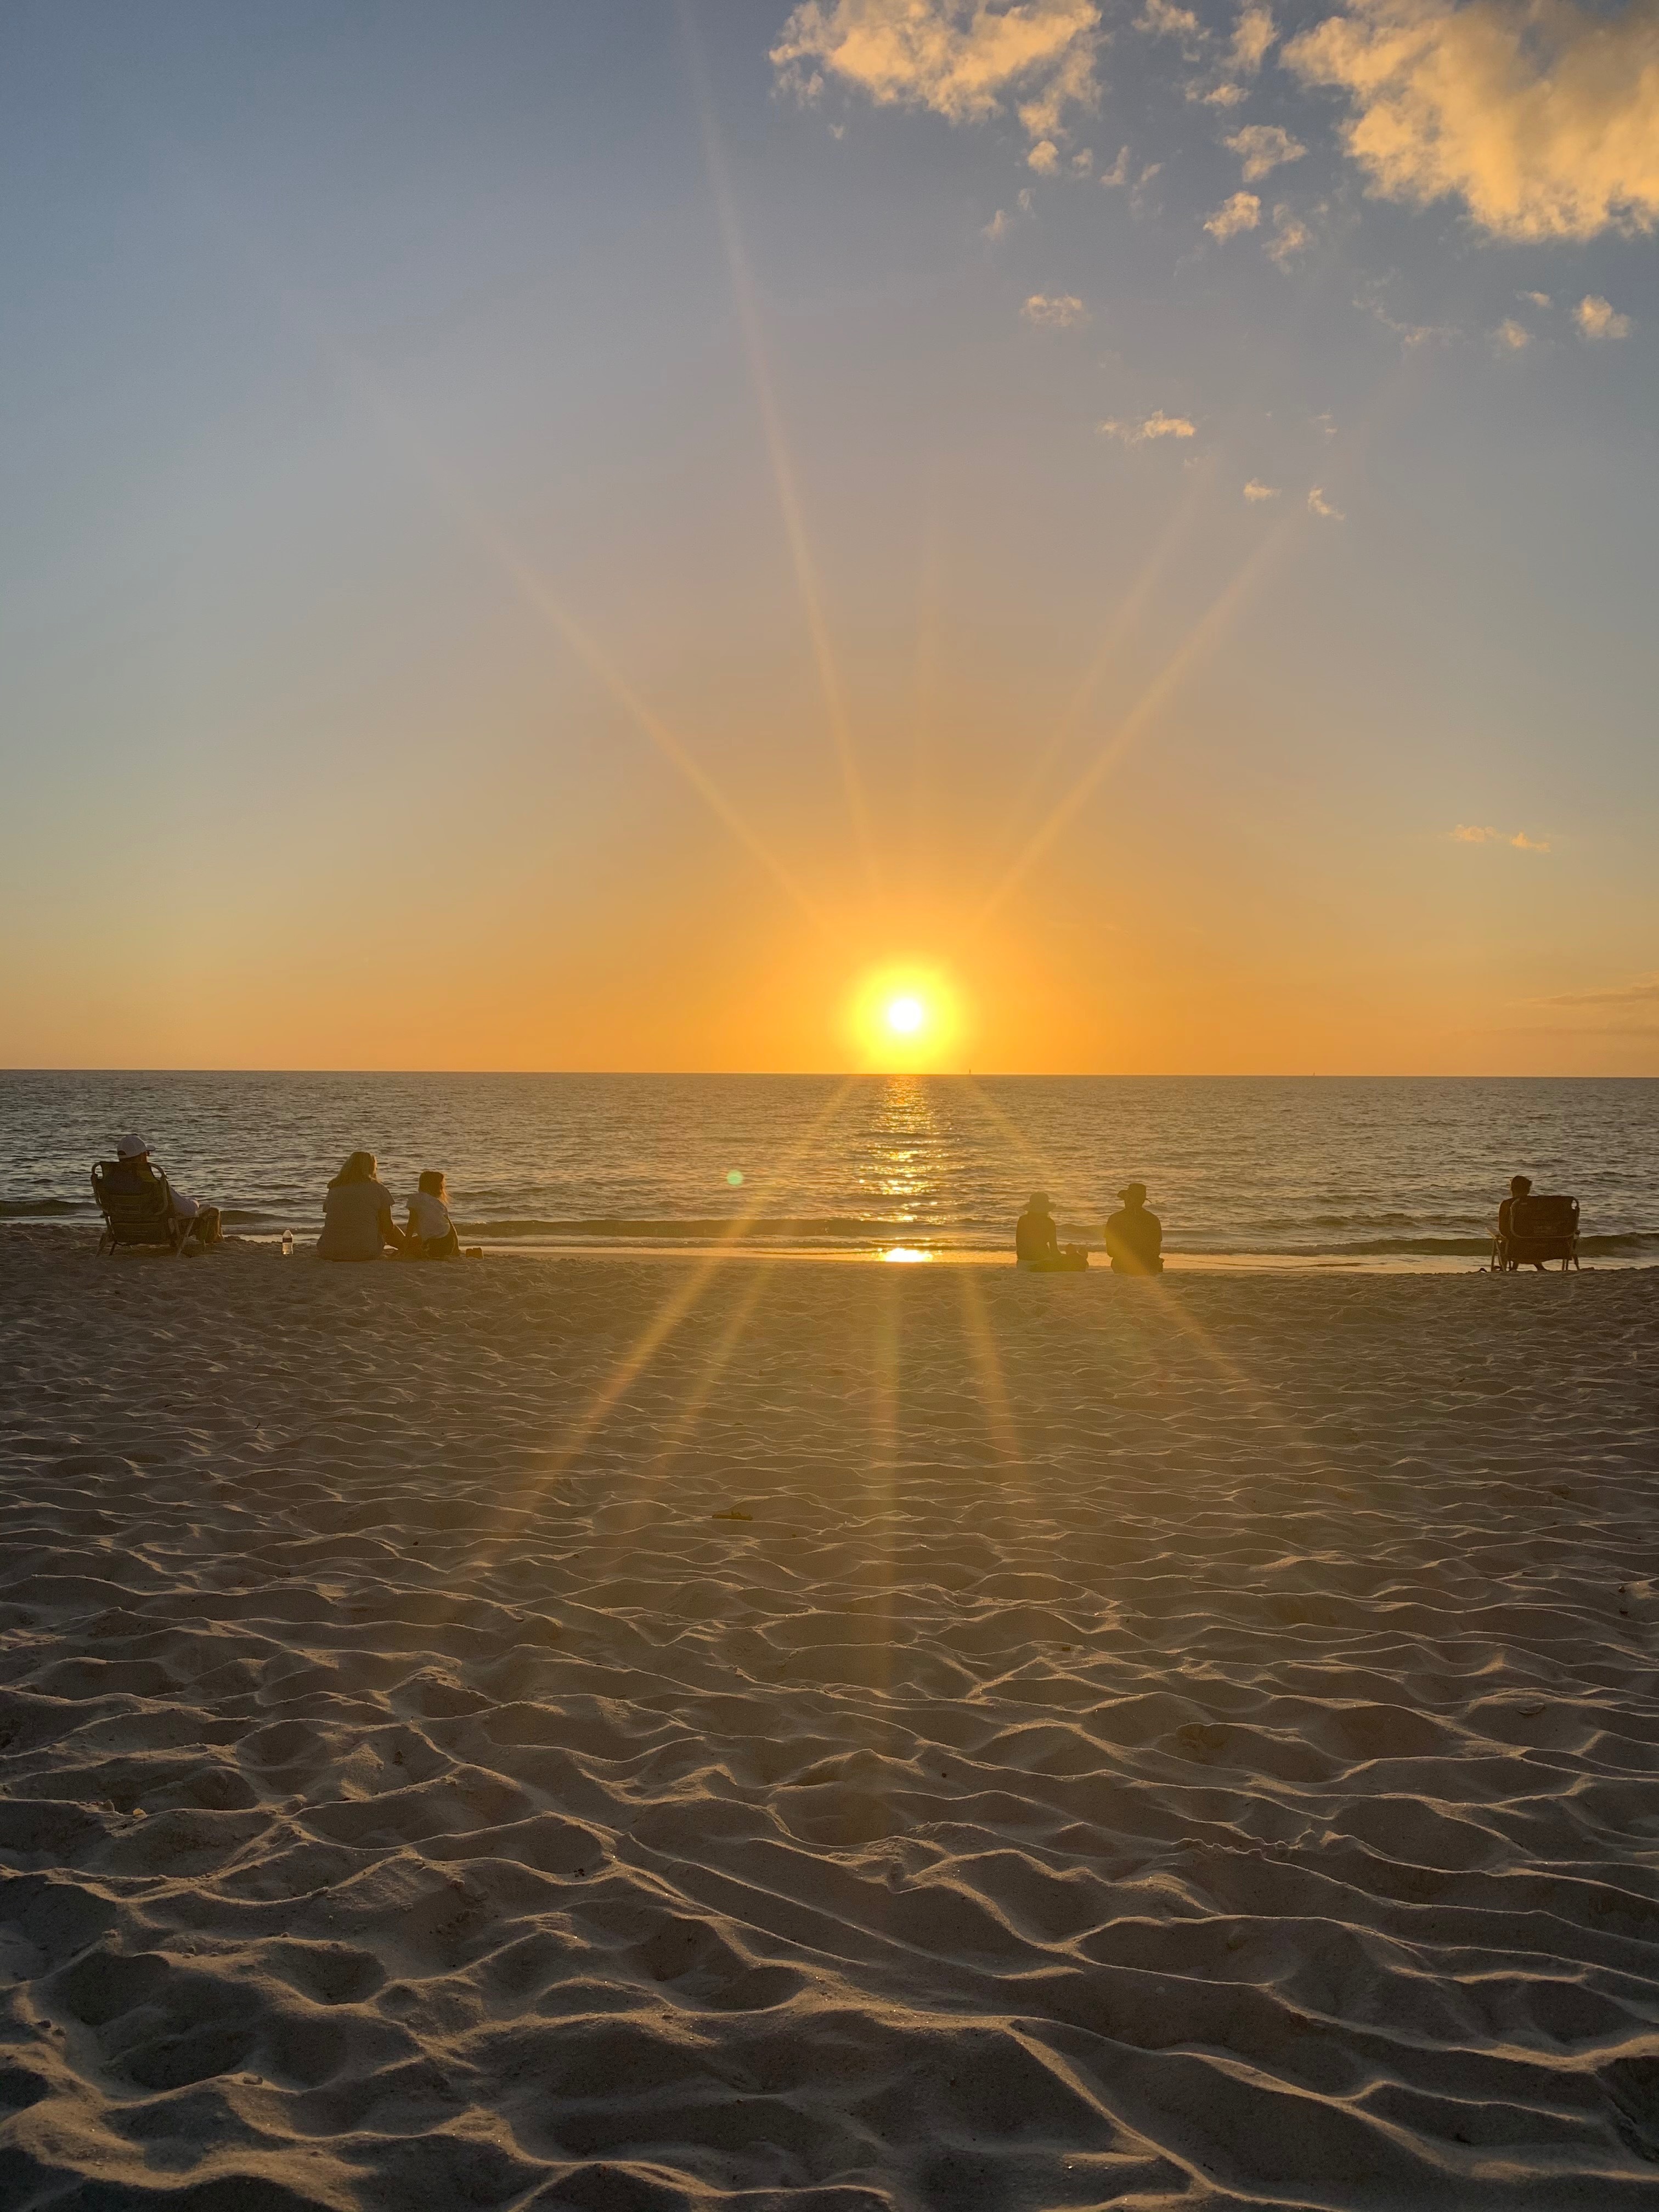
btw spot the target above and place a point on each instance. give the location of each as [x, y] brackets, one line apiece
[1331, 1171]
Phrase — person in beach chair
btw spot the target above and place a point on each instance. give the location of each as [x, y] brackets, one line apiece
[1134, 1238]
[1036, 1240]
[141, 1207]
[1532, 1230]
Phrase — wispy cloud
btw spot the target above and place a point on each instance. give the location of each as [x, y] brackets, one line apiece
[1055, 310]
[1242, 212]
[1596, 319]
[1158, 424]
[1291, 236]
[999, 225]
[1044, 157]
[1543, 117]
[1474, 833]
[1622, 994]
[964, 59]
[1538, 298]
[1263, 148]
[1119, 172]
[1255, 492]
[1252, 39]
[1319, 505]
[1512, 337]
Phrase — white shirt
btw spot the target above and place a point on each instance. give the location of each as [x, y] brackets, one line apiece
[428, 1216]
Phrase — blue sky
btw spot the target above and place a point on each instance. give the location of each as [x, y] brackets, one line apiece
[569, 536]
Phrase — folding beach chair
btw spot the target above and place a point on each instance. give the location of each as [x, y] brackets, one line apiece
[1540, 1228]
[137, 1209]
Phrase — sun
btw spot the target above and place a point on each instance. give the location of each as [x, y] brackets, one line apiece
[905, 1018]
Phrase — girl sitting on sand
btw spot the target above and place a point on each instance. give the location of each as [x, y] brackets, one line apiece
[431, 1232]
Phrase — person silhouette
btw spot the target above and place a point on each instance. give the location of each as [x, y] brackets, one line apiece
[1520, 1188]
[1036, 1240]
[1134, 1238]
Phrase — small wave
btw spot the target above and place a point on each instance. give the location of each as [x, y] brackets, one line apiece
[841, 1228]
[45, 1209]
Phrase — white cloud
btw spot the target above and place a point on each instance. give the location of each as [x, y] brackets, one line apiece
[1060, 311]
[1158, 424]
[1514, 337]
[1262, 148]
[999, 225]
[1523, 843]
[1538, 298]
[1255, 492]
[1291, 236]
[1596, 319]
[1044, 157]
[1252, 39]
[1220, 95]
[1242, 212]
[1119, 172]
[961, 58]
[1543, 117]
[1319, 505]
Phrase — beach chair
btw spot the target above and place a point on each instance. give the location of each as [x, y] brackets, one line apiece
[140, 1216]
[1540, 1228]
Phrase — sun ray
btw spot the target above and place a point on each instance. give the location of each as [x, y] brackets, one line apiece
[994, 1393]
[777, 447]
[1130, 609]
[1171, 1308]
[680, 1301]
[1202, 639]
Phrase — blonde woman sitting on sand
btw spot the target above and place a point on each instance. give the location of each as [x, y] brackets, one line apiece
[357, 1222]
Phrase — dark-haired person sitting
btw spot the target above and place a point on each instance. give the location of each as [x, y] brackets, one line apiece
[357, 1222]
[1520, 1187]
[135, 1171]
[1134, 1238]
[1036, 1240]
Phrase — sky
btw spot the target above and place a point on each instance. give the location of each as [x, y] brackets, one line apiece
[628, 536]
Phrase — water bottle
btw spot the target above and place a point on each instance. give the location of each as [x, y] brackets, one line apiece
[287, 1243]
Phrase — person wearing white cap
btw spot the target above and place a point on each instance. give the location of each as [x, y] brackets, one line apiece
[137, 1171]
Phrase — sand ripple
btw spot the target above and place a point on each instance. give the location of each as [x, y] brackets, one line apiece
[523, 1735]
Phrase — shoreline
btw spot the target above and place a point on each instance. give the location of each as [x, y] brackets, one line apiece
[1401, 1265]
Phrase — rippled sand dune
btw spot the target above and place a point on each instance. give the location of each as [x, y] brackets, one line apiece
[611, 1736]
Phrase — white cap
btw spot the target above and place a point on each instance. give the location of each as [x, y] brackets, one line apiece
[132, 1146]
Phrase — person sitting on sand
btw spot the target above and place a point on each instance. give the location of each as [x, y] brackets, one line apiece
[431, 1232]
[135, 1172]
[1520, 1187]
[1134, 1238]
[1036, 1240]
[357, 1222]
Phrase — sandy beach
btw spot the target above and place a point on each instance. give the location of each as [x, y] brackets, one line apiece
[628, 1736]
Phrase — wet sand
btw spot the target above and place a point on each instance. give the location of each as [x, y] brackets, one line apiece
[623, 1736]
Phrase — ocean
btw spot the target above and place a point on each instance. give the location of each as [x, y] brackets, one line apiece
[1319, 1171]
